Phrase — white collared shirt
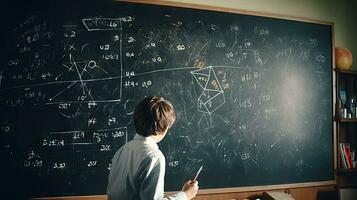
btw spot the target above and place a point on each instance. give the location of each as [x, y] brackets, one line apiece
[137, 172]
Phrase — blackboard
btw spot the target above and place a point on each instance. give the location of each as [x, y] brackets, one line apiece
[253, 95]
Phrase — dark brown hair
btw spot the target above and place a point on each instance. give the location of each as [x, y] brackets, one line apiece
[153, 115]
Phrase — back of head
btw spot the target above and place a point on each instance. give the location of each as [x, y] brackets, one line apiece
[153, 115]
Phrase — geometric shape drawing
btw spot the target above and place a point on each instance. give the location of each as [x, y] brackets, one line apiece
[102, 24]
[210, 101]
[212, 96]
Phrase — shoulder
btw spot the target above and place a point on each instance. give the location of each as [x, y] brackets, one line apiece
[156, 155]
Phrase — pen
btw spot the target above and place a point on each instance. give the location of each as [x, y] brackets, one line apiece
[198, 173]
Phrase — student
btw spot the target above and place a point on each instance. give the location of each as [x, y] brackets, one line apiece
[138, 168]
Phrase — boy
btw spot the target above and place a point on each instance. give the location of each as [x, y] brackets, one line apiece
[138, 168]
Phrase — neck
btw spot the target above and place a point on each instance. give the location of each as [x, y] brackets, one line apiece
[157, 138]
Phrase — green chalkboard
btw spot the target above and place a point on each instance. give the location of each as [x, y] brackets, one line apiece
[253, 95]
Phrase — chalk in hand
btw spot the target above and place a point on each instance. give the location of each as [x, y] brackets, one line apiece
[198, 173]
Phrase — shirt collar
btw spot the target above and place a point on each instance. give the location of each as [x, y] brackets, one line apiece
[148, 140]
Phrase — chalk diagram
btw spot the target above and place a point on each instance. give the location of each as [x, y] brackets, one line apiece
[83, 69]
[212, 96]
[79, 68]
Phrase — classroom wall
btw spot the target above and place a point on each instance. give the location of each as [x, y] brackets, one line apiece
[343, 13]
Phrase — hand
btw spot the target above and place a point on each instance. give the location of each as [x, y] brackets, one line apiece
[190, 188]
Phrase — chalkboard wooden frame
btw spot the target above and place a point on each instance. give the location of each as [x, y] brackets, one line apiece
[253, 13]
[230, 10]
